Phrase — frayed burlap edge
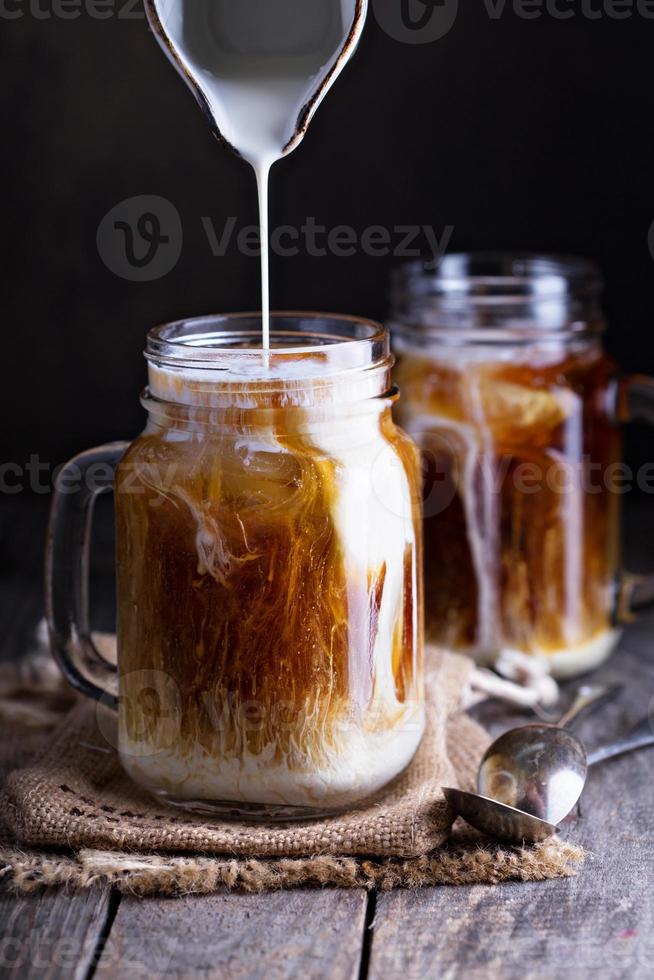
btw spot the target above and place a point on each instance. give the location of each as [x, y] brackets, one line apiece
[77, 795]
[148, 875]
[33, 697]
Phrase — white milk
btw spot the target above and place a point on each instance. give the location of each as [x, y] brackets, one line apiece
[260, 68]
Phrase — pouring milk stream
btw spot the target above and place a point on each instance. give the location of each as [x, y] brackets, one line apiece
[260, 69]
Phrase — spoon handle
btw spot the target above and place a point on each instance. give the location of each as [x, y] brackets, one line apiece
[588, 696]
[641, 736]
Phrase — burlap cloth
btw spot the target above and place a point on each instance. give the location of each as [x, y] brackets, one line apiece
[69, 815]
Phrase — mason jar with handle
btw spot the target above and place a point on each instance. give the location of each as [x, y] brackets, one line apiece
[269, 571]
[517, 409]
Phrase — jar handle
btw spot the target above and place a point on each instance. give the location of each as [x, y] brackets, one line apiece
[77, 487]
[635, 404]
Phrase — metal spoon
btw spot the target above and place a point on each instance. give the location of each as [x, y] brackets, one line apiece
[515, 826]
[532, 777]
[539, 768]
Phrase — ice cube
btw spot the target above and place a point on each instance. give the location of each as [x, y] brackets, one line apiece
[515, 412]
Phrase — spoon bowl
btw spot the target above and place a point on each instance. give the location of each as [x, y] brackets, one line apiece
[514, 825]
[536, 769]
[498, 820]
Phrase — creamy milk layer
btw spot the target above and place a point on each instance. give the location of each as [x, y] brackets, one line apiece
[361, 765]
[250, 382]
[564, 662]
[572, 661]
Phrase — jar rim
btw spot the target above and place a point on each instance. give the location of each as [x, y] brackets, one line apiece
[319, 343]
[481, 276]
[498, 297]
[218, 361]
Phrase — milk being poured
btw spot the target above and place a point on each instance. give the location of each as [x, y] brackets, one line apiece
[259, 68]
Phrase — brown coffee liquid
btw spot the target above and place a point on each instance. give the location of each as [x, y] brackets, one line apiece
[236, 590]
[521, 531]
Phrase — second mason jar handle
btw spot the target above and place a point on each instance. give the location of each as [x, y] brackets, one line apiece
[77, 487]
[635, 404]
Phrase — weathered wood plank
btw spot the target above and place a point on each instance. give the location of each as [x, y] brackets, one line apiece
[51, 934]
[308, 934]
[599, 922]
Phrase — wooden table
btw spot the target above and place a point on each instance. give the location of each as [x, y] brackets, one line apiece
[599, 924]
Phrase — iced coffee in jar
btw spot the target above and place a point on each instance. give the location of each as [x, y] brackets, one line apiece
[516, 407]
[269, 571]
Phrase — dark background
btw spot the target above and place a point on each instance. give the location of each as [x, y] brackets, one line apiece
[520, 133]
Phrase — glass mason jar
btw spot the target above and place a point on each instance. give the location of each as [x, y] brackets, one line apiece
[516, 407]
[268, 571]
